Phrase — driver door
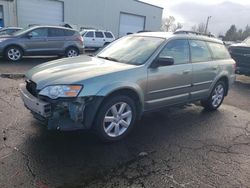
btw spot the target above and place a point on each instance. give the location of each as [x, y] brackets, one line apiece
[168, 85]
[36, 42]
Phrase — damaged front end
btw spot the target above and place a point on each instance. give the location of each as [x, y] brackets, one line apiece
[61, 114]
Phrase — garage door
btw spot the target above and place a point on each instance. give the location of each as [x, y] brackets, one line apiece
[130, 23]
[1, 16]
[49, 12]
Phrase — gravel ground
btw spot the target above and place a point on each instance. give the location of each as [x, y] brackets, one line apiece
[177, 147]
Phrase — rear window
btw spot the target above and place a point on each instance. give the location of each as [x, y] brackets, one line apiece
[108, 35]
[99, 34]
[199, 51]
[219, 51]
[53, 32]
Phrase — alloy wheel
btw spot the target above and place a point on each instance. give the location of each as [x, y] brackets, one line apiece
[217, 95]
[14, 54]
[117, 119]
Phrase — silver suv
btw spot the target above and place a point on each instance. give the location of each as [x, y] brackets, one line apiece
[133, 75]
[41, 40]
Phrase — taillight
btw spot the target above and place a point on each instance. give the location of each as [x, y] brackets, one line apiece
[80, 38]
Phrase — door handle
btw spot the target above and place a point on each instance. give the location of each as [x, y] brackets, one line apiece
[186, 71]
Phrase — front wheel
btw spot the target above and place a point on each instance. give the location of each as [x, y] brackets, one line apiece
[116, 118]
[72, 52]
[216, 98]
[14, 53]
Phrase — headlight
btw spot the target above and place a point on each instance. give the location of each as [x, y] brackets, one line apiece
[58, 91]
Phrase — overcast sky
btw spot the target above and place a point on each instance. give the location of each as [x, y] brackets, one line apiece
[224, 12]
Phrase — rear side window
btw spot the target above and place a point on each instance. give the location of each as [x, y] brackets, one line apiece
[53, 32]
[199, 51]
[177, 49]
[69, 33]
[108, 35]
[90, 34]
[219, 51]
[99, 34]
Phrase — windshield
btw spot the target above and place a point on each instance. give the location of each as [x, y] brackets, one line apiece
[22, 31]
[133, 50]
[247, 41]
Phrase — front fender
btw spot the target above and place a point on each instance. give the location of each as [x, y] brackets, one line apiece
[109, 89]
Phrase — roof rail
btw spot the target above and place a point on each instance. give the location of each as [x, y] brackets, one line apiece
[194, 33]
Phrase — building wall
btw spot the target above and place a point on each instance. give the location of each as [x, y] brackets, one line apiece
[9, 12]
[105, 14]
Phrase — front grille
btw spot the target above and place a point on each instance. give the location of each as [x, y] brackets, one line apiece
[31, 87]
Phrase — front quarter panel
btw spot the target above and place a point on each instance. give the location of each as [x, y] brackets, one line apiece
[134, 79]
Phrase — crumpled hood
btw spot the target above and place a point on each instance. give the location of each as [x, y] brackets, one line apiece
[73, 70]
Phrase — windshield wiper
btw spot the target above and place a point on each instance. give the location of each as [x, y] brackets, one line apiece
[108, 58]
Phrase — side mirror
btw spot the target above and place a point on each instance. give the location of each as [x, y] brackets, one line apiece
[163, 61]
[29, 35]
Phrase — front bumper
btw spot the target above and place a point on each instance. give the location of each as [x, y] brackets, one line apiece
[68, 115]
[34, 104]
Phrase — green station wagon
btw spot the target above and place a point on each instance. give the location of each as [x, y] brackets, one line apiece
[135, 74]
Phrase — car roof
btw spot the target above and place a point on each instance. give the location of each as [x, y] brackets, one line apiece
[49, 26]
[168, 35]
[95, 30]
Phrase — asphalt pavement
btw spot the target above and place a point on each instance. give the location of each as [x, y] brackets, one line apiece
[176, 147]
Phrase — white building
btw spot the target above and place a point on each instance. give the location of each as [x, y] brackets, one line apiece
[119, 16]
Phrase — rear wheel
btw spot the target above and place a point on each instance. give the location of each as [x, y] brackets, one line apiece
[116, 118]
[72, 52]
[14, 53]
[216, 98]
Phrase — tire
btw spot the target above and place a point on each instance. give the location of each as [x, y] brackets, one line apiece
[115, 128]
[72, 52]
[14, 53]
[216, 97]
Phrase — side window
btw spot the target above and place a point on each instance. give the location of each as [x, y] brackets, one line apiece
[69, 33]
[99, 34]
[219, 51]
[90, 34]
[55, 32]
[199, 51]
[42, 32]
[177, 49]
[108, 35]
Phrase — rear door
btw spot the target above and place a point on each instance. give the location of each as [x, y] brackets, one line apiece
[205, 69]
[170, 85]
[100, 40]
[35, 42]
[56, 40]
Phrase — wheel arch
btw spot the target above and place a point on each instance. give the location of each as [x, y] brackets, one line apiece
[132, 91]
[16, 45]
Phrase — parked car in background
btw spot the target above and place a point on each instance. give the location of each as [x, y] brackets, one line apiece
[41, 40]
[240, 52]
[133, 75]
[97, 38]
[9, 30]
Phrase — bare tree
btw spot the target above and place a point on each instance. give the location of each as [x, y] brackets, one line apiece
[169, 24]
[201, 27]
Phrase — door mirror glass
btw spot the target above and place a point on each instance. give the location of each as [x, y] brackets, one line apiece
[164, 61]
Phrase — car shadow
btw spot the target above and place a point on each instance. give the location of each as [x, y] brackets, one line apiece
[76, 157]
